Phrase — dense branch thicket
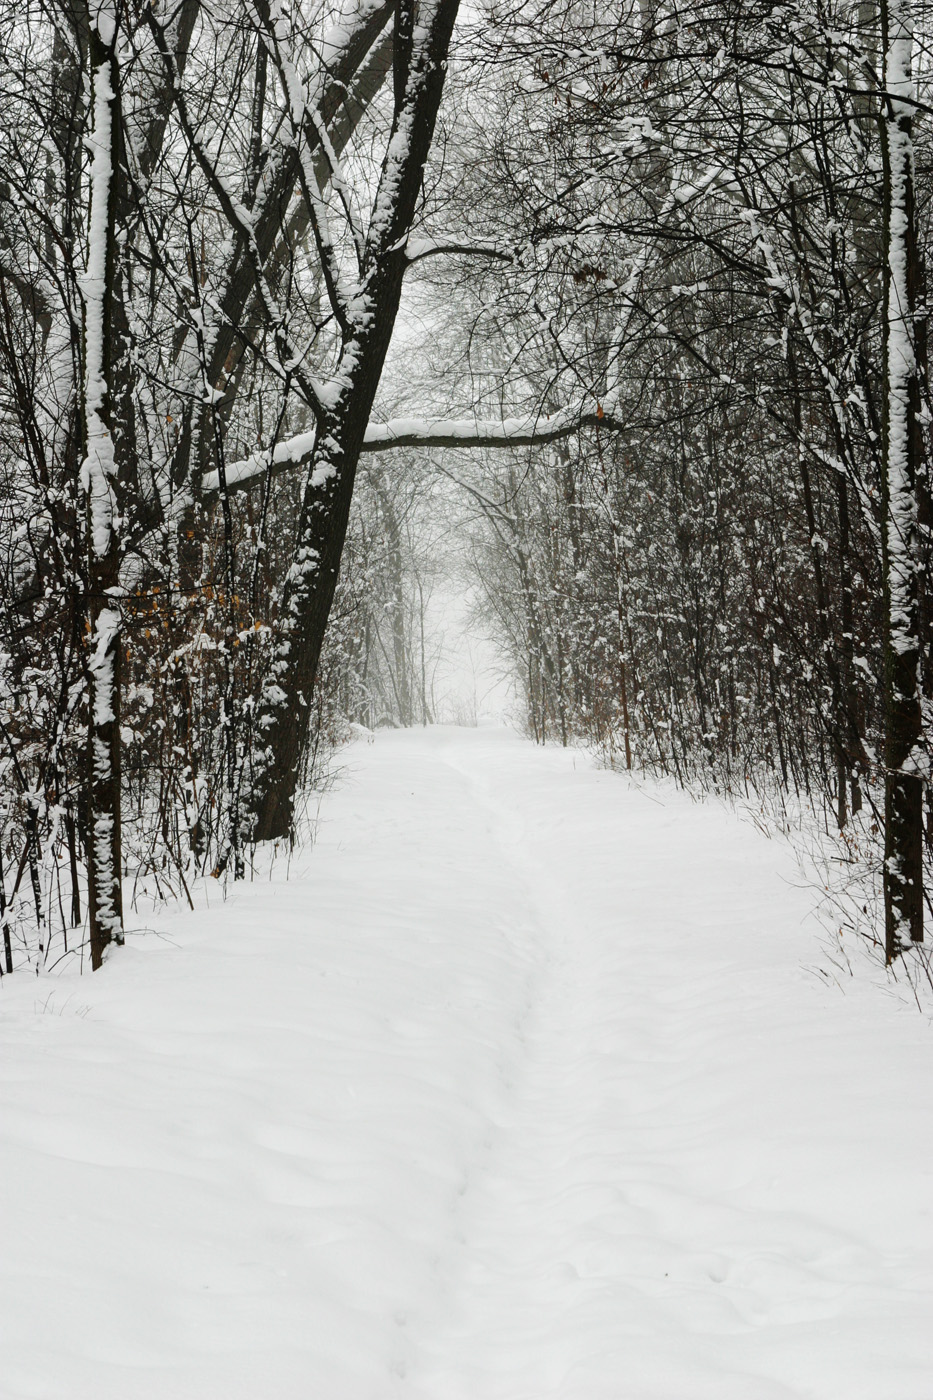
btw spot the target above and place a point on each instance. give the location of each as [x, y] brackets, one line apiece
[728, 580]
[203, 214]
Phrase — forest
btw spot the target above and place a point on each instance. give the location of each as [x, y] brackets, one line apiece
[466, 699]
[611, 317]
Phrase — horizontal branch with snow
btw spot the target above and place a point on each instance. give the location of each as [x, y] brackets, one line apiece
[530, 431]
[417, 249]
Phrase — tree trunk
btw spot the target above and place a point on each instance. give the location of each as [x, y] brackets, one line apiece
[903, 452]
[401, 648]
[98, 472]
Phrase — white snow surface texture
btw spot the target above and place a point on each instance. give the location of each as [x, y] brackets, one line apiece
[523, 1086]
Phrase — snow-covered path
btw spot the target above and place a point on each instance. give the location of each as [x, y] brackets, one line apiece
[523, 1087]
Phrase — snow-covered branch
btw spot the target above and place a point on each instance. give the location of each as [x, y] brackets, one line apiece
[530, 431]
[417, 249]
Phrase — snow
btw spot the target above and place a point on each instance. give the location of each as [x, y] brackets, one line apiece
[101, 663]
[526, 1084]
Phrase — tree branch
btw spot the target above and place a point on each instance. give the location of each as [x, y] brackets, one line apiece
[532, 431]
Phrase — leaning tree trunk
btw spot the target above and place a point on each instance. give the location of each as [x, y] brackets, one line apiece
[104, 623]
[369, 318]
[903, 453]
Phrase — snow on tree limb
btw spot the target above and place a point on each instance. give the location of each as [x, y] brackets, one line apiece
[529, 431]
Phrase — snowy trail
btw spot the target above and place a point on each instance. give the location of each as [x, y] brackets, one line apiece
[522, 1087]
